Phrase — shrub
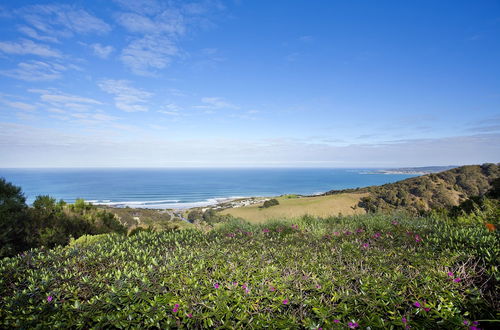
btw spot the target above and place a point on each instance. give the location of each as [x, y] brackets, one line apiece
[271, 202]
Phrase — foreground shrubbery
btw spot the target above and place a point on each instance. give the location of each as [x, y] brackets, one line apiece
[47, 223]
[375, 270]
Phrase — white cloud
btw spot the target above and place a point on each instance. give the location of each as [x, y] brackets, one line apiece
[32, 33]
[102, 51]
[63, 20]
[36, 71]
[19, 105]
[216, 103]
[143, 55]
[127, 98]
[141, 6]
[27, 47]
[171, 110]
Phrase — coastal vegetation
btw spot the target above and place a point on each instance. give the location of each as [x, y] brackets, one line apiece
[72, 266]
[429, 192]
[48, 222]
[382, 271]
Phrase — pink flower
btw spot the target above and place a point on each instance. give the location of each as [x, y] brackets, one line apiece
[285, 301]
[265, 230]
[176, 308]
[377, 235]
[450, 274]
[230, 235]
[427, 309]
[216, 285]
[318, 286]
[353, 325]
[347, 232]
[417, 304]
[336, 233]
[190, 315]
[395, 223]
[458, 279]
[359, 230]
[418, 239]
[235, 283]
[365, 245]
[336, 321]
[244, 286]
[49, 298]
[272, 289]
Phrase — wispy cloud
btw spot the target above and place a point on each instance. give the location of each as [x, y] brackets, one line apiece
[17, 104]
[63, 20]
[36, 71]
[156, 28]
[32, 33]
[216, 103]
[126, 97]
[101, 50]
[143, 55]
[28, 47]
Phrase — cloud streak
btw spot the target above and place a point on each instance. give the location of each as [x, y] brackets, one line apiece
[126, 97]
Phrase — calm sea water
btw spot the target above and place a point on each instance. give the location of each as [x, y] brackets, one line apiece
[180, 188]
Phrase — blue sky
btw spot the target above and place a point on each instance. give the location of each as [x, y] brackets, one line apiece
[139, 83]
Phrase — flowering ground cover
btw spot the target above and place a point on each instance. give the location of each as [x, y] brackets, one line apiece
[377, 271]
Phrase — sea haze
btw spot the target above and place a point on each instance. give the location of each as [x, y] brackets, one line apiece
[183, 188]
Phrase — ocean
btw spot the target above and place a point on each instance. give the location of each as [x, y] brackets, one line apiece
[184, 188]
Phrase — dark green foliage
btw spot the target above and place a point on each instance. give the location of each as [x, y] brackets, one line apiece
[433, 191]
[53, 224]
[48, 223]
[305, 274]
[13, 219]
[269, 203]
[195, 215]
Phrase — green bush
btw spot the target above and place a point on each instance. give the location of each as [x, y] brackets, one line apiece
[379, 271]
[271, 202]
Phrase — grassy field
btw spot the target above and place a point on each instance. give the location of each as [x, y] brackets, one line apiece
[320, 206]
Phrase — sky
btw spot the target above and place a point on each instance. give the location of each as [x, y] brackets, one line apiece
[149, 83]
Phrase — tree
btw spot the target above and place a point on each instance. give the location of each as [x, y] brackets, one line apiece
[12, 219]
[270, 203]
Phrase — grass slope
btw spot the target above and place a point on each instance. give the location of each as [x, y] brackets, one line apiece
[368, 270]
[320, 206]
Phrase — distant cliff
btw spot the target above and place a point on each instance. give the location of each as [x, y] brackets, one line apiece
[430, 191]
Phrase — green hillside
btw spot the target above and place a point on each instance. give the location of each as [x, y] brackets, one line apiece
[431, 191]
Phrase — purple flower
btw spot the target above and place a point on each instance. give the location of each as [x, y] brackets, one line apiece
[365, 245]
[458, 279]
[475, 323]
[353, 325]
[49, 298]
[244, 286]
[235, 283]
[176, 308]
[450, 274]
[216, 285]
[190, 315]
[404, 320]
[336, 321]
[377, 235]
[418, 238]
[347, 232]
[417, 304]
[473, 327]
[336, 233]
[466, 322]
[265, 230]
[427, 309]
[272, 289]
[285, 301]
[359, 230]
